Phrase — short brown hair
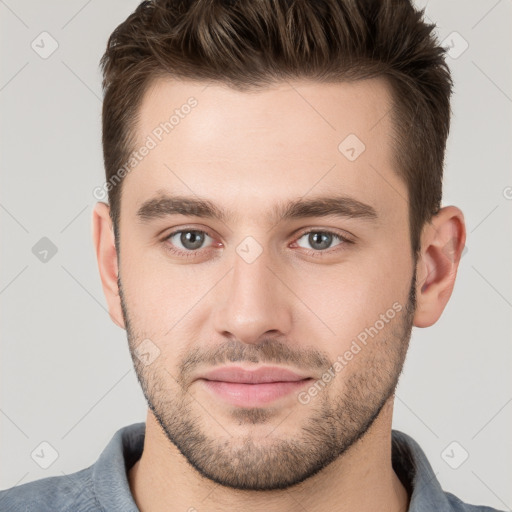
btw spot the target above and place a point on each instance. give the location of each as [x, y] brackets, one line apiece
[250, 44]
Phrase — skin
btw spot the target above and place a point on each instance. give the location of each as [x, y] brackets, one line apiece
[247, 152]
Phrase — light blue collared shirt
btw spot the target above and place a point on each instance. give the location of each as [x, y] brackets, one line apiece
[104, 487]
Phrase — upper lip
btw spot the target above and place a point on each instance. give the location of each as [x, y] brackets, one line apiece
[258, 376]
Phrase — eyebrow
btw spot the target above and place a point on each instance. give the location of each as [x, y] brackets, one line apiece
[324, 206]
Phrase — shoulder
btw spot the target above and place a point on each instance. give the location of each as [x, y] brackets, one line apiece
[101, 487]
[73, 492]
[412, 467]
[457, 505]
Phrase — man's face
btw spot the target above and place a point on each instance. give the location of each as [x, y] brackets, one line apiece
[261, 288]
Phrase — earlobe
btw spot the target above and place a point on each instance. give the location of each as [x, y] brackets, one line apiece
[442, 243]
[106, 255]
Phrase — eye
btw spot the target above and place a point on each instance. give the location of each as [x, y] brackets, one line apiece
[322, 240]
[189, 242]
[186, 240]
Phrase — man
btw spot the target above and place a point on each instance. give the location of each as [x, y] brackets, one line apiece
[274, 231]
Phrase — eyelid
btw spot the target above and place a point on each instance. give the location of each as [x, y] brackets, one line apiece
[304, 231]
[344, 235]
[189, 228]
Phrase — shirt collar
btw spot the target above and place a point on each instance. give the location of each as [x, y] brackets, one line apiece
[417, 476]
[112, 489]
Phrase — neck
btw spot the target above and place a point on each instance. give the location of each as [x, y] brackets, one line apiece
[361, 479]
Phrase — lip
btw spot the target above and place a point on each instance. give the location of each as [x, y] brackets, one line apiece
[251, 388]
[261, 375]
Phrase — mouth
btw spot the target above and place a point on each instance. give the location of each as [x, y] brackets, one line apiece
[250, 388]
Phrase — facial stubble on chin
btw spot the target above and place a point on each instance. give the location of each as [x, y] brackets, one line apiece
[245, 463]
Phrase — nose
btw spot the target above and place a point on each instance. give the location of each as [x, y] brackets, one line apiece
[253, 302]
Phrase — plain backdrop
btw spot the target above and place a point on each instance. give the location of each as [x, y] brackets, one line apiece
[66, 375]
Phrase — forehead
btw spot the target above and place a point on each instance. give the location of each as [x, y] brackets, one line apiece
[287, 140]
[303, 108]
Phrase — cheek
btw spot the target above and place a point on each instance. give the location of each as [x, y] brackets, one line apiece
[348, 298]
[159, 293]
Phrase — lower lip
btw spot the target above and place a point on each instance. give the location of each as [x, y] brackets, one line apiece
[253, 394]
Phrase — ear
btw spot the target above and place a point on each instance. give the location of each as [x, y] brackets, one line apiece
[442, 243]
[106, 254]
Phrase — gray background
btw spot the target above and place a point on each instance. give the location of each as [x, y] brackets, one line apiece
[66, 375]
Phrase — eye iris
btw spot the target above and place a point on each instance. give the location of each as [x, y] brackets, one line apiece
[192, 239]
[324, 239]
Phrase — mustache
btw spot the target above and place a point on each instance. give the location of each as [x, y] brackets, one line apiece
[269, 351]
[266, 352]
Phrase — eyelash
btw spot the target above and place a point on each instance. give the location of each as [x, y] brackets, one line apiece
[192, 253]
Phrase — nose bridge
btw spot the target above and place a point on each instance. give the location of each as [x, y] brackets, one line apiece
[253, 300]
